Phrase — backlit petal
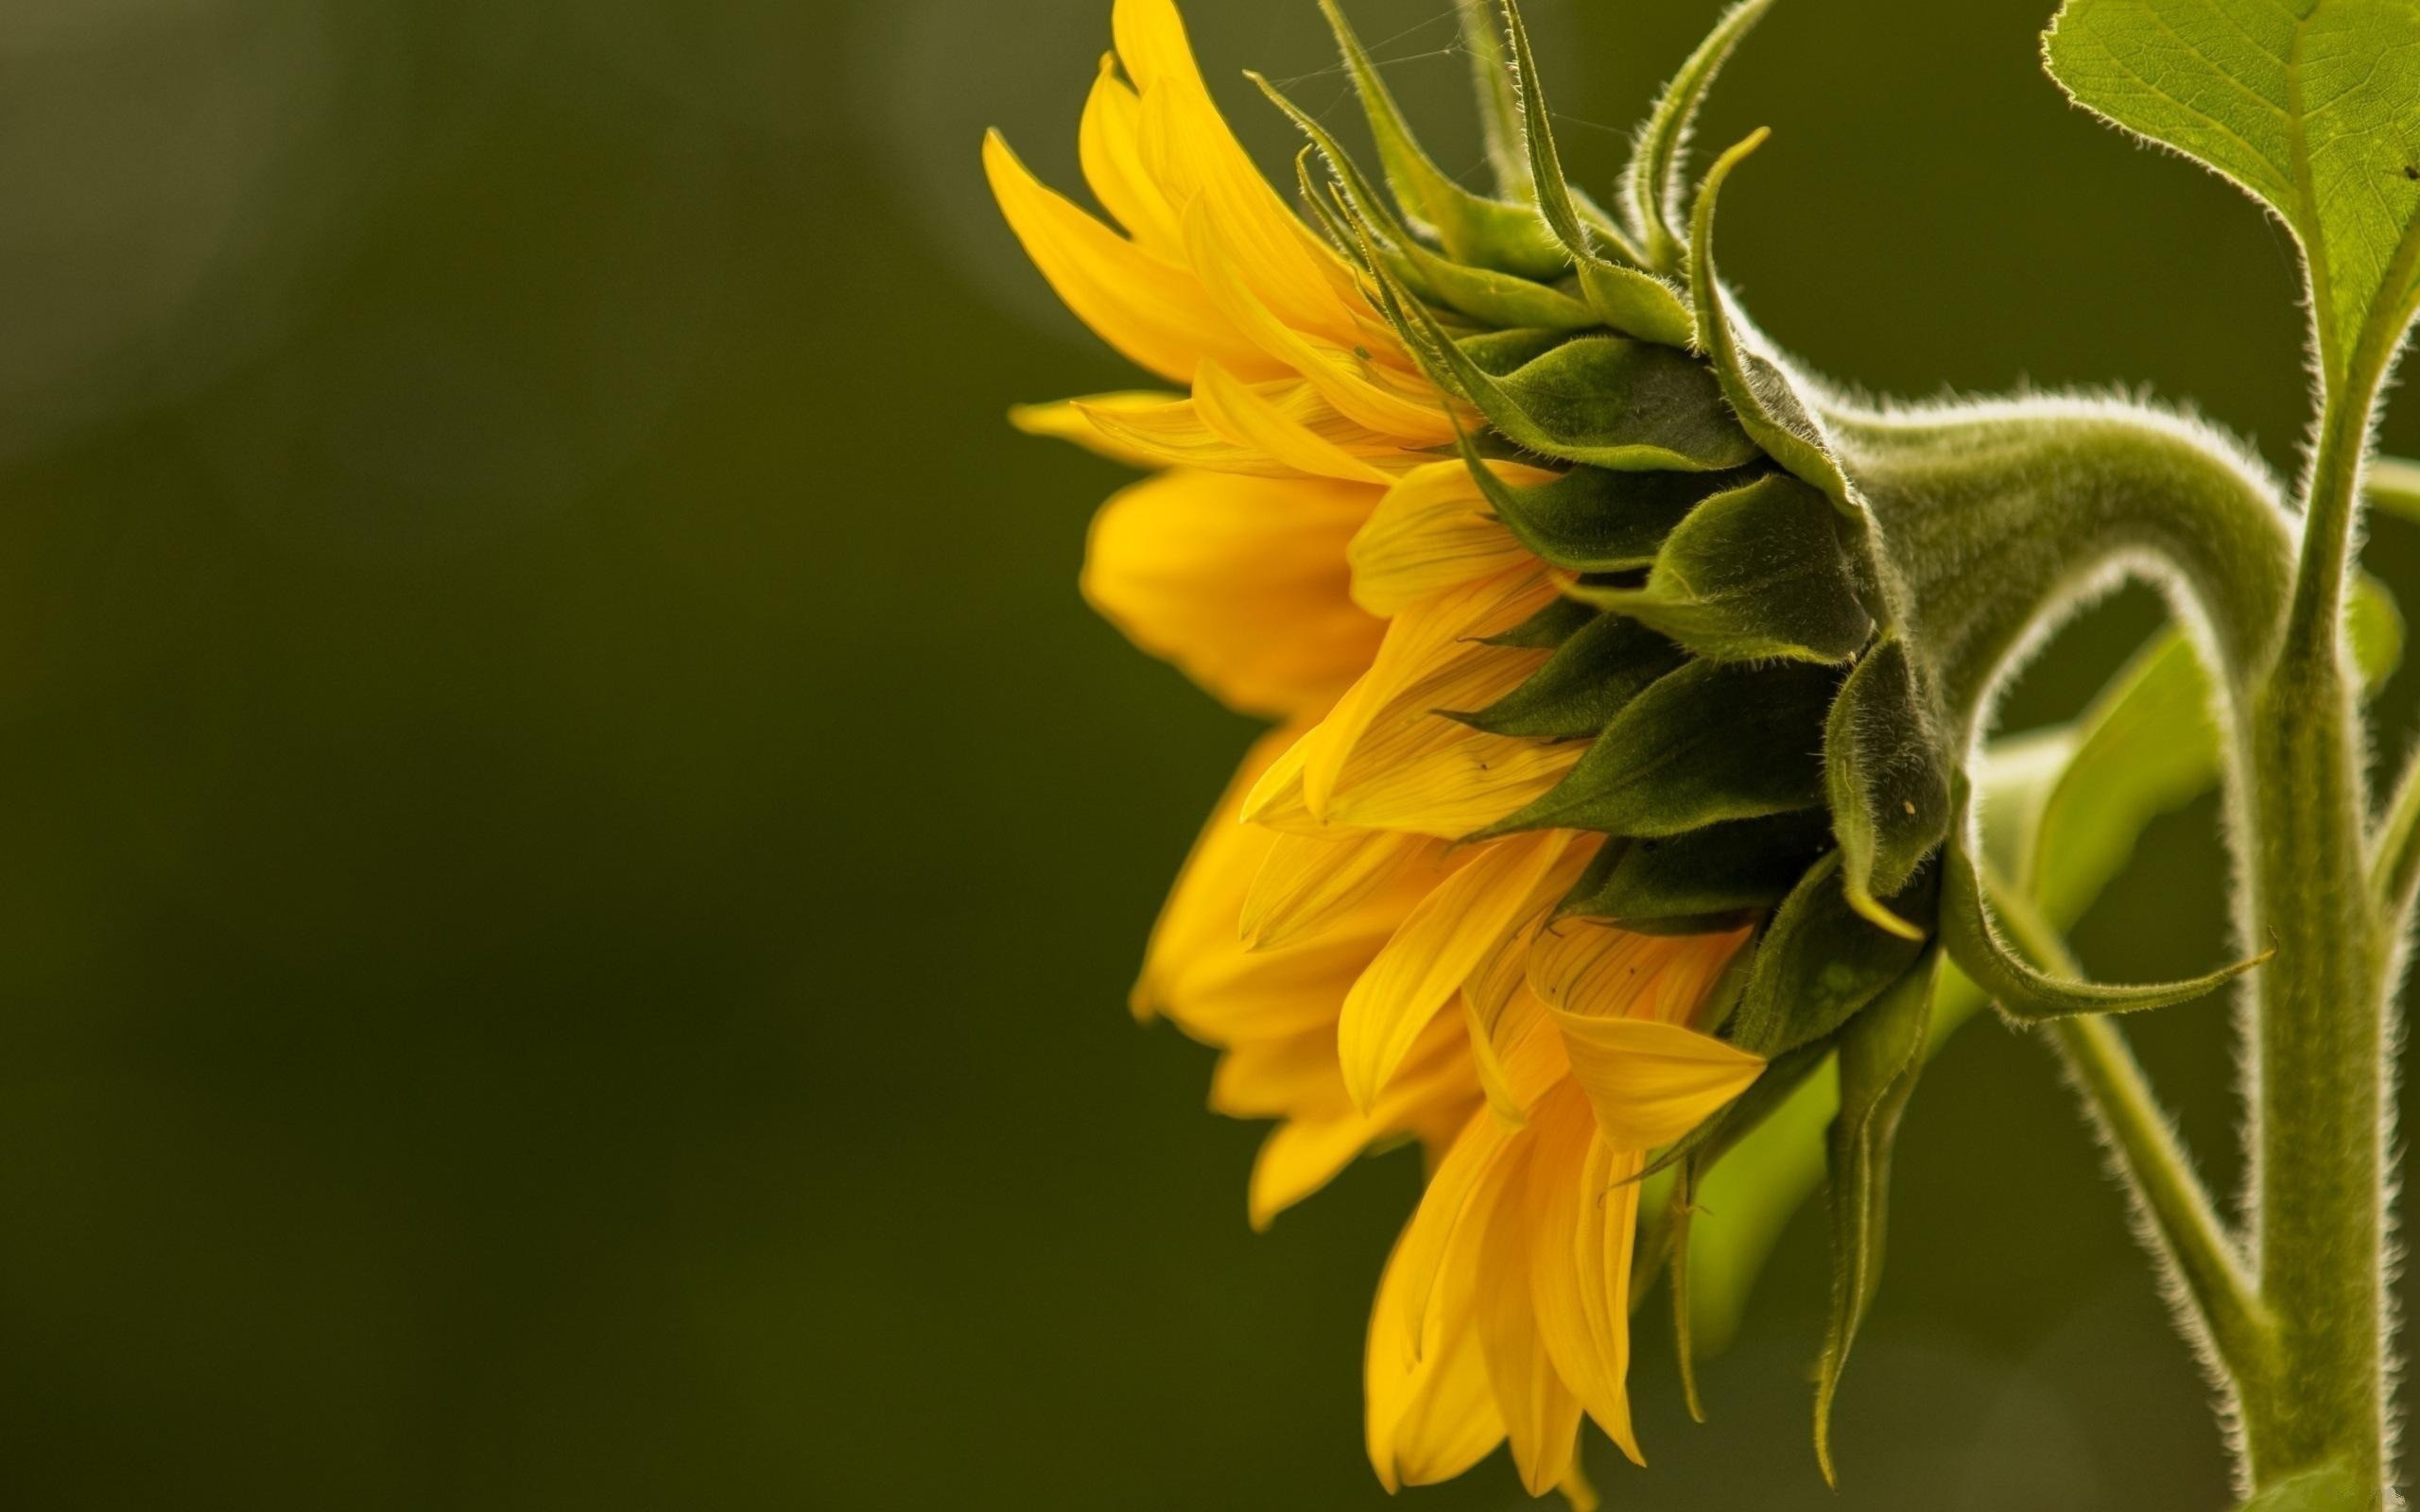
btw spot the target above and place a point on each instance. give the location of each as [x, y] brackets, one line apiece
[1650, 1082]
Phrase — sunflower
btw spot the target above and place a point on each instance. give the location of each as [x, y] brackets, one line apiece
[1551, 595]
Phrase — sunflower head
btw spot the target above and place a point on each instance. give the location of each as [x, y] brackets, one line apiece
[1764, 742]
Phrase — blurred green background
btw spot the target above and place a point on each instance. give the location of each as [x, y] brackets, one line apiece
[571, 857]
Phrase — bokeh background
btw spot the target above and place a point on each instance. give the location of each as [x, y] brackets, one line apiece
[570, 857]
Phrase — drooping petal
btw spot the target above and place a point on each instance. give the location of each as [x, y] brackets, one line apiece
[1442, 942]
[1541, 1413]
[1650, 1082]
[1238, 582]
[1246, 417]
[1584, 1216]
[1428, 1412]
[1071, 420]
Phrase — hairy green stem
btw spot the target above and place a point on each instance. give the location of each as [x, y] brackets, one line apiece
[2317, 1106]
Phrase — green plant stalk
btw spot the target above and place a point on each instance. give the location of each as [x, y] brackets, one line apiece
[2322, 1007]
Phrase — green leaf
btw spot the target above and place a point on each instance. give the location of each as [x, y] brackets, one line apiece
[1592, 520]
[1886, 762]
[1482, 294]
[1711, 742]
[1629, 298]
[1756, 574]
[1881, 1053]
[1592, 678]
[1654, 180]
[1472, 228]
[1719, 872]
[2023, 991]
[2308, 105]
[1764, 398]
[1820, 962]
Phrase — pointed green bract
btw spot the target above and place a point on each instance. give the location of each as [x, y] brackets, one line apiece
[1887, 764]
[1706, 878]
[1653, 182]
[2022, 990]
[2306, 104]
[1708, 743]
[1604, 401]
[1480, 293]
[1767, 402]
[1754, 574]
[1499, 109]
[1592, 520]
[1881, 1053]
[1472, 228]
[1549, 626]
[1588, 680]
[1628, 297]
[1821, 962]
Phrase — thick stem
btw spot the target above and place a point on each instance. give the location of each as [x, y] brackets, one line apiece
[2318, 1100]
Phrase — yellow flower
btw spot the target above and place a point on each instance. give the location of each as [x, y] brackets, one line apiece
[1313, 551]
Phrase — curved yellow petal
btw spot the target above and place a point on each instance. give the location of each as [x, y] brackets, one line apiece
[1433, 532]
[1585, 1211]
[1246, 417]
[1650, 1082]
[1442, 942]
[1431, 640]
[1310, 880]
[1541, 1413]
[1071, 420]
[1148, 308]
[1108, 146]
[1239, 581]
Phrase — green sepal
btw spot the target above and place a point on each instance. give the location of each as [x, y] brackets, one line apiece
[1886, 765]
[1712, 875]
[1604, 401]
[1683, 1206]
[1820, 962]
[1628, 297]
[1653, 182]
[1713, 741]
[1592, 520]
[1752, 574]
[1549, 626]
[1591, 679]
[1882, 1051]
[1480, 293]
[1763, 396]
[2022, 991]
[1499, 108]
[1502, 353]
[1473, 229]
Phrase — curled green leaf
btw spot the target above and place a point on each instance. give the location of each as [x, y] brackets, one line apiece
[1654, 183]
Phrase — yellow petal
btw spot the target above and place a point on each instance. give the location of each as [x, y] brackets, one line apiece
[1324, 1134]
[1108, 146]
[1239, 581]
[1244, 415]
[1429, 640]
[1541, 1413]
[1432, 532]
[1428, 1412]
[1300, 1157]
[1310, 880]
[1584, 1216]
[1392, 401]
[1148, 308]
[1198, 917]
[1441, 942]
[1071, 420]
[1652, 1082]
